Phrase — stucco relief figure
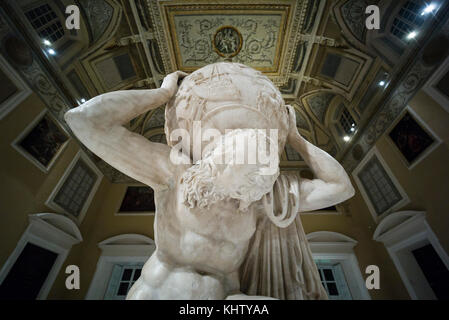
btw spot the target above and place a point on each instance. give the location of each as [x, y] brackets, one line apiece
[222, 230]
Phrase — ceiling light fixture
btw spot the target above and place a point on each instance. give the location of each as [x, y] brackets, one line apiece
[429, 8]
[412, 35]
[346, 138]
[83, 100]
[381, 83]
[51, 51]
[352, 129]
[46, 42]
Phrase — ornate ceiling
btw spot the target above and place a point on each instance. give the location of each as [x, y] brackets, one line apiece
[263, 36]
[328, 66]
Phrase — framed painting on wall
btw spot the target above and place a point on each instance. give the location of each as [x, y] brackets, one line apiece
[42, 141]
[138, 200]
[412, 138]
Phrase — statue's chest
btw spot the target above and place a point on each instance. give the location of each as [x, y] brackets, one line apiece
[207, 239]
[222, 220]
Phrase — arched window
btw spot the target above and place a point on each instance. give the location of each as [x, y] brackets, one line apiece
[408, 19]
[347, 122]
[337, 265]
[333, 279]
[401, 21]
[46, 23]
[119, 265]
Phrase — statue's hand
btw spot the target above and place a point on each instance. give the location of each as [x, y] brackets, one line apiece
[170, 82]
[292, 129]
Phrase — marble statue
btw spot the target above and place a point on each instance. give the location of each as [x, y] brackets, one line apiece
[223, 229]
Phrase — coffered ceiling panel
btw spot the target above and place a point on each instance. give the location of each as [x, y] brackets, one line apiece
[201, 39]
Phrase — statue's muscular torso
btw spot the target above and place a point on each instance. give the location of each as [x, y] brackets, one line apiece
[191, 245]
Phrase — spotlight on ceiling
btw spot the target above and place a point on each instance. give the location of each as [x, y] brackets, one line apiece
[46, 42]
[51, 51]
[83, 100]
[352, 129]
[412, 35]
[346, 138]
[381, 83]
[429, 8]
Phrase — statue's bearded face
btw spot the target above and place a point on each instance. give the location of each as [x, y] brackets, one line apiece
[211, 179]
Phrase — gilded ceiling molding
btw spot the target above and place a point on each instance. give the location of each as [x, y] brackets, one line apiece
[145, 42]
[168, 14]
[102, 44]
[313, 81]
[106, 26]
[350, 16]
[363, 64]
[311, 13]
[299, 56]
[98, 14]
[316, 103]
[289, 89]
[156, 56]
[321, 40]
[308, 52]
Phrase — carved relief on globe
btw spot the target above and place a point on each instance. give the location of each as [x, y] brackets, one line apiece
[227, 41]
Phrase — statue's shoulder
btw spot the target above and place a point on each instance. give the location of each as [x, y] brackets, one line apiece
[176, 176]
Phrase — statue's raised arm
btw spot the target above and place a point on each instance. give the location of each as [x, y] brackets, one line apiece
[99, 125]
[332, 184]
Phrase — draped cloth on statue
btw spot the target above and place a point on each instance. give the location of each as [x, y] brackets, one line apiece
[279, 261]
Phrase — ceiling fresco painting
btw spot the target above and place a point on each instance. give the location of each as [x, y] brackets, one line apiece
[256, 40]
[260, 35]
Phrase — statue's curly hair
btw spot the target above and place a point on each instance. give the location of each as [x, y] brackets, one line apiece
[201, 189]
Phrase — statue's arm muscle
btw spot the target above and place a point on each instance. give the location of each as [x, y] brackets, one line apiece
[99, 125]
[332, 184]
